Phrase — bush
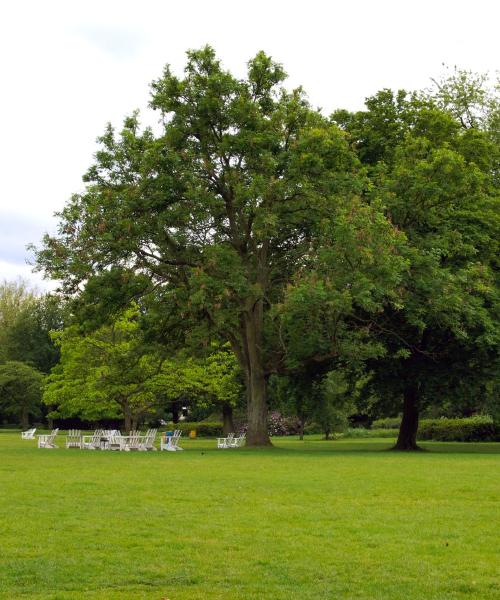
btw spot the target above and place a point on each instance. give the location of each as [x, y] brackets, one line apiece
[361, 432]
[312, 428]
[389, 423]
[277, 424]
[473, 429]
[202, 429]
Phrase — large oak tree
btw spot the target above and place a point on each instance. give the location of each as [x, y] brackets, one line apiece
[243, 209]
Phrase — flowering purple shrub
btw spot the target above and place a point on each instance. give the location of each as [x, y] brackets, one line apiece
[277, 424]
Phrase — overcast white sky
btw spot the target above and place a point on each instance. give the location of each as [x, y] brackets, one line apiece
[69, 67]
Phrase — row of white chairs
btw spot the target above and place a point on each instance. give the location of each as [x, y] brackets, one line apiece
[102, 439]
[112, 439]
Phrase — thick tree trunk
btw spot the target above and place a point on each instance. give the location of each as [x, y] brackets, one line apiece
[25, 423]
[227, 418]
[127, 415]
[301, 428]
[257, 434]
[407, 438]
[127, 422]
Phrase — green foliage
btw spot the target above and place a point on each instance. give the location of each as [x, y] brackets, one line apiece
[387, 423]
[361, 432]
[437, 181]
[106, 374]
[14, 298]
[245, 212]
[473, 429]
[29, 336]
[21, 388]
[334, 404]
[202, 428]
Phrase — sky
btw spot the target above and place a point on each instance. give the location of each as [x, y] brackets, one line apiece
[68, 68]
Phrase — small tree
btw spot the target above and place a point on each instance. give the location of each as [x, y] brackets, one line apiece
[334, 404]
[107, 373]
[215, 379]
[21, 388]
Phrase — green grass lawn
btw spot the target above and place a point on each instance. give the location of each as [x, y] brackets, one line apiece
[314, 519]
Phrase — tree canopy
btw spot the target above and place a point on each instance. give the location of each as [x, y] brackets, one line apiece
[247, 207]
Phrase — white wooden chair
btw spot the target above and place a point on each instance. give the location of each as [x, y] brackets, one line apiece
[237, 442]
[132, 442]
[225, 442]
[29, 434]
[48, 440]
[74, 439]
[149, 439]
[170, 443]
[114, 440]
[92, 442]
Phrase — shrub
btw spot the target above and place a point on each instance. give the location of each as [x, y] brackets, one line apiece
[473, 429]
[203, 429]
[312, 428]
[280, 425]
[389, 423]
[361, 432]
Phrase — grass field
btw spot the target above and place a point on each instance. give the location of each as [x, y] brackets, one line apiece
[306, 520]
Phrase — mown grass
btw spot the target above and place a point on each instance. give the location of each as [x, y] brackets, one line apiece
[310, 520]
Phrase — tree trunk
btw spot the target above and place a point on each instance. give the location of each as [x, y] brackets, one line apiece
[301, 427]
[227, 419]
[127, 422]
[25, 423]
[175, 412]
[407, 438]
[257, 434]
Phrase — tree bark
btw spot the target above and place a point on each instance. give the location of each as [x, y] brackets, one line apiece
[175, 412]
[407, 438]
[257, 434]
[227, 419]
[127, 414]
[25, 423]
[301, 428]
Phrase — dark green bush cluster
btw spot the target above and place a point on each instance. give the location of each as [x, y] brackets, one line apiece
[473, 429]
[202, 429]
[361, 432]
[389, 423]
[312, 428]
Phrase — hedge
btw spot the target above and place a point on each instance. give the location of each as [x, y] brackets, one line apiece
[389, 423]
[203, 429]
[473, 429]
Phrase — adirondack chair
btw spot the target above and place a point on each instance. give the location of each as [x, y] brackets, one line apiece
[48, 440]
[114, 442]
[171, 442]
[74, 439]
[225, 442]
[92, 442]
[132, 442]
[237, 442]
[29, 434]
[149, 439]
